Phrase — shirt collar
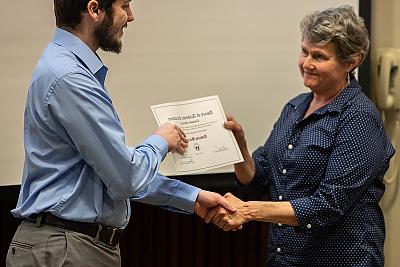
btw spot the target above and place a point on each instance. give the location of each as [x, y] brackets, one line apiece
[351, 90]
[80, 50]
[336, 105]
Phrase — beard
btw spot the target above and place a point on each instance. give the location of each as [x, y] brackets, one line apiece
[106, 34]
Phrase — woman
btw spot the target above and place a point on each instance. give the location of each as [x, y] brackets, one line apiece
[324, 161]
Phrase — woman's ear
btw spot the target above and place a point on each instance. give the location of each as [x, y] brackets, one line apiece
[356, 60]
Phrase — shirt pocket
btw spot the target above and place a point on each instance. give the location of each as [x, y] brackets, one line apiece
[319, 142]
[312, 156]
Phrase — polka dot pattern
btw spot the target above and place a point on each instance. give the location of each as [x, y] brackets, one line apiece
[330, 167]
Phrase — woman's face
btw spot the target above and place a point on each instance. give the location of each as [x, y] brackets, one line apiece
[321, 69]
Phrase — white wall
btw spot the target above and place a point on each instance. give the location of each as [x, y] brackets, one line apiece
[246, 52]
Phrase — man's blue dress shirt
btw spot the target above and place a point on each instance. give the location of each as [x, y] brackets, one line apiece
[330, 167]
[77, 165]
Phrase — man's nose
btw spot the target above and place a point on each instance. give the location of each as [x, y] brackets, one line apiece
[130, 15]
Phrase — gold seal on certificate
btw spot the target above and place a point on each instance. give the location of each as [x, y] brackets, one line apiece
[210, 144]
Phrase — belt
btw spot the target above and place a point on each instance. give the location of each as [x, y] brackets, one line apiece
[106, 234]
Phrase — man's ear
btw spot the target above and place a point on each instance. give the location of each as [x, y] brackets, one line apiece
[93, 10]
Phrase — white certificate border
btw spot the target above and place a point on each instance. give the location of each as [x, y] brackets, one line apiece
[194, 101]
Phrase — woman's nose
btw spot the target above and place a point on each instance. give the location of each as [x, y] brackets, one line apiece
[308, 64]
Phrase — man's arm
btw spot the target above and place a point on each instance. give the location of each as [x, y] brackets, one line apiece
[82, 114]
[178, 196]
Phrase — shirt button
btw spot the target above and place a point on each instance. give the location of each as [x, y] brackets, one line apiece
[280, 197]
[284, 171]
[290, 146]
[308, 226]
[279, 249]
[279, 224]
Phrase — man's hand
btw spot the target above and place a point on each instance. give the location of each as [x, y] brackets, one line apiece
[228, 220]
[207, 200]
[174, 136]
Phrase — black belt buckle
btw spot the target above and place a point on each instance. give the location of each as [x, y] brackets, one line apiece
[112, 235]
[108, 235]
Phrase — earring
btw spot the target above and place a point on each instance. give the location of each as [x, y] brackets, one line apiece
[347, 79]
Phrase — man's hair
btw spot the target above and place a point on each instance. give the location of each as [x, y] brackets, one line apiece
[69, 12]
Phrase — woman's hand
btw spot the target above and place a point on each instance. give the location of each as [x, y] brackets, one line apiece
[228, 220]
[237, 130]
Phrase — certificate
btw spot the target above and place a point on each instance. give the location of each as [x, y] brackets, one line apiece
[210, 144]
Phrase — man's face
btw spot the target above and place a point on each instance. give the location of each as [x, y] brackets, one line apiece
[109, 33]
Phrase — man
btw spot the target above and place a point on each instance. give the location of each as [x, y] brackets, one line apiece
[79, 175]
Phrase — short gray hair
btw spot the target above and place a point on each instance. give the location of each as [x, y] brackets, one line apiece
[340, 25]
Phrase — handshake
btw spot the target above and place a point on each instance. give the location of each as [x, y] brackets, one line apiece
[227, 212]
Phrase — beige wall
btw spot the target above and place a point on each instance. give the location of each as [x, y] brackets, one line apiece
[385, 23]
[385, 32]
[178, 50]
[174, 50]
[25, 29]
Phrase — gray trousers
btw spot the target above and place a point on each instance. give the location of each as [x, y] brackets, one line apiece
[51, 246]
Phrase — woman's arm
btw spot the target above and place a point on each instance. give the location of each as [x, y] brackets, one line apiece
[244, 170]
[265, 211]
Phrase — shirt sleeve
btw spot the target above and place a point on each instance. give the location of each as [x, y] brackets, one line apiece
[260, 181]
[170, 194]
[358, 161]
[82, 114]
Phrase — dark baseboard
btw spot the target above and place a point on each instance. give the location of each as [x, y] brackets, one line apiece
[9, 193]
